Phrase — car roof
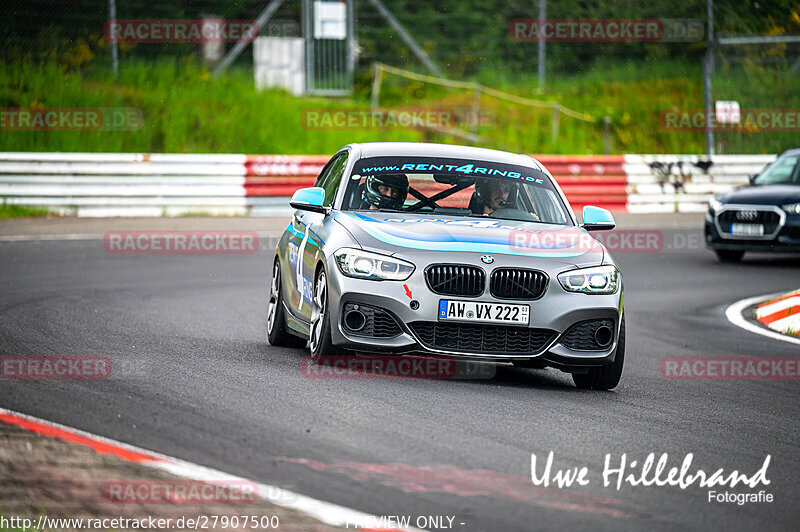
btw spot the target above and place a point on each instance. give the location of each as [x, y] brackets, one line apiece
[791, 151]
[427, 149]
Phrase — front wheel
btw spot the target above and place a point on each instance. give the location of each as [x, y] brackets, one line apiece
[319, 338]
[605, 377]
[277, 334]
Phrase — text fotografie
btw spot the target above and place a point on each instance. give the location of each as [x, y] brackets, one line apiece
[647, 473]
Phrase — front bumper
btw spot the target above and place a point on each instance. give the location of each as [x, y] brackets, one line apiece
[786, 240]
[552, 315]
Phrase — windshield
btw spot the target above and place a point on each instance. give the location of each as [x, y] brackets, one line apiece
[783, 171]
[454, 187]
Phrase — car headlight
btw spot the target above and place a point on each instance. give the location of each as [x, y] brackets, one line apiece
[792, 208]
[367, 265]
[714, 204]
[597, 280]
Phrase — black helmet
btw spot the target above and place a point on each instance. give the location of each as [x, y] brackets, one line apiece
[372, 196]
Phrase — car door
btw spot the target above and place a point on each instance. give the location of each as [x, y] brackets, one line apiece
[306, 242]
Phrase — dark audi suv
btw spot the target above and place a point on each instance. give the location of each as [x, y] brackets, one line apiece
[763, 216]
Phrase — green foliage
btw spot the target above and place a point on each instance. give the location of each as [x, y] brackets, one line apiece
[185, 111]
[20, 211]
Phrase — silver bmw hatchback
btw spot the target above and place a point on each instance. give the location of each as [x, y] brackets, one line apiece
[441, 250]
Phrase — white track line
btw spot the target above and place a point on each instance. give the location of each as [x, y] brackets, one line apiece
[734, 315]
[328, 513]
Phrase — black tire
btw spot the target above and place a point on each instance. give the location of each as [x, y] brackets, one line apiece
[319, 333]
[277, 333]
[605, 377]
[728, 255]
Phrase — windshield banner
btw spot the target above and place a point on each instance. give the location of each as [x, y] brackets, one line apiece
[450, 167]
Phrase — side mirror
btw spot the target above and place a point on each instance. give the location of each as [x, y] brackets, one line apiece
[310, 199]
[597, 219]
[752, 178]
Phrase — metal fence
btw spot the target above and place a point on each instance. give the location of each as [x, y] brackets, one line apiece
[763, 79]
[462, 37]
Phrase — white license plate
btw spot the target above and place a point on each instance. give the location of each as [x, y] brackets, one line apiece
[747, 229]
[484, 312]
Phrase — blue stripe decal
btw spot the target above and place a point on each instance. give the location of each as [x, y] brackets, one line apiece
[408, 238]
[318, 242]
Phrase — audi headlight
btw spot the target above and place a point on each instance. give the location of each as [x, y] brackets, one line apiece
[367, 265]
[714, 204]
[597, 280]
[792, 208]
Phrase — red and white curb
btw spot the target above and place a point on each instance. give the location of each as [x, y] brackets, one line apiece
[328, 513]
[734, 314]
[781, 314]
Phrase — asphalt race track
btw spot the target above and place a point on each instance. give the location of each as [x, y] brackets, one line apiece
[193, 377]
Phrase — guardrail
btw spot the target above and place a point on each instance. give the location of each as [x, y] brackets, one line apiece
[111, 184]
[684, 183]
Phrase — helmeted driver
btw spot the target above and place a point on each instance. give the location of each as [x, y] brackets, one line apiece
[491, 195]
[385, 191]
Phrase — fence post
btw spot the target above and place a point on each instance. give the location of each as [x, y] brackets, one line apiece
[240, 45]
[708, 68]
[376, 87]
[112, 18]
[556, 121]
[476, 107]
[542, 45]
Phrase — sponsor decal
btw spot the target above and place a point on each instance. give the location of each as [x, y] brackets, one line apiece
[427, 233]
[477, 170]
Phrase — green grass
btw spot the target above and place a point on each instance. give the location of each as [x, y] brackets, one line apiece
[185, 111]
[21, 211]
